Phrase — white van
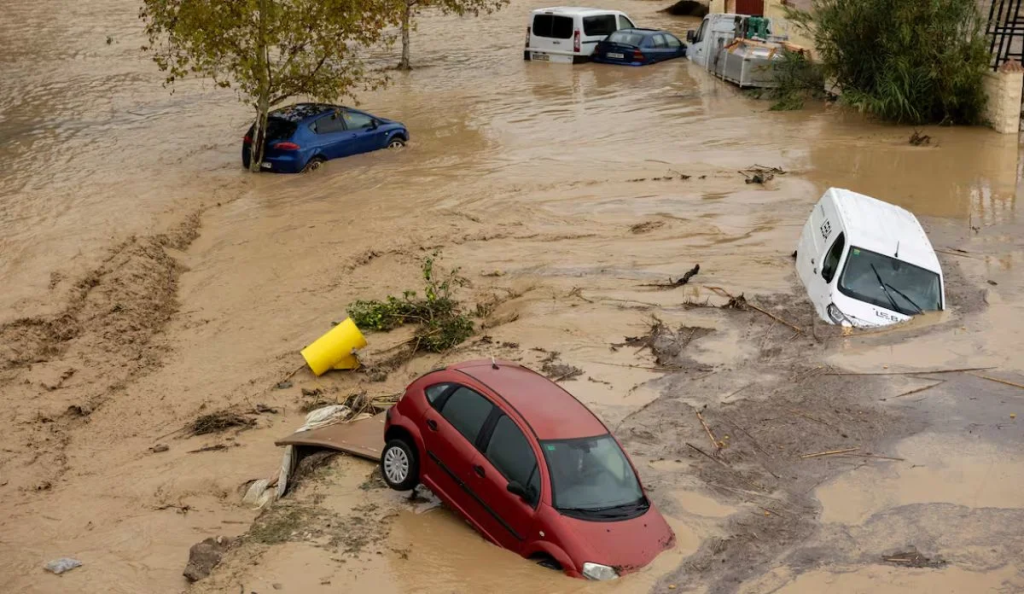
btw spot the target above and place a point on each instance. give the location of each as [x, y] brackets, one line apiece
[866, 262]
[569, 34]
[716, 32]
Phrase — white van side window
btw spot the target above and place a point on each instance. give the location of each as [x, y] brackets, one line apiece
[603, 24]
[700, 32]
[625, 23]
[831, 263]
[553, 26]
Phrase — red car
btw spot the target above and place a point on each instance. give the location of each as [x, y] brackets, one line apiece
[528, 465]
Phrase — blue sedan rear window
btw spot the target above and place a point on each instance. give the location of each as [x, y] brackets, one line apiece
[278, 129]
[626, 38]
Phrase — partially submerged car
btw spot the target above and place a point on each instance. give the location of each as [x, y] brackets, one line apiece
[569, 34]
[528, 465]
[866, 262]
[303, 136]
[637, 47]
[738, 48]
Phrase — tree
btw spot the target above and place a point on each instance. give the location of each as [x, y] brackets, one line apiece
[906, 61]
[407, 9]
[268, 50]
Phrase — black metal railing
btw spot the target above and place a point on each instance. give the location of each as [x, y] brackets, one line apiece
[1005, 31]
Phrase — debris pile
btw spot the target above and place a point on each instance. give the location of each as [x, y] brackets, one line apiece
[442, 324]
[663, 342]
[759, 174]
[557, 371]
[219, 421]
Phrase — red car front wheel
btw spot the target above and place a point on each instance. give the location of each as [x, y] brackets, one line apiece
[399, 465]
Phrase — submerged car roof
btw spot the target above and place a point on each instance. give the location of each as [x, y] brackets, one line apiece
[550, 411]
[582, 10]
[302, 111]
[643, 31]
[883, 228]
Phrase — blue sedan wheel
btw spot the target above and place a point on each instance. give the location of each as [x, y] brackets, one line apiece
[313, 164]
[396, 143]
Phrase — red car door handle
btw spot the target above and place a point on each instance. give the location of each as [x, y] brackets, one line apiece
[432, 424]
[479, 470]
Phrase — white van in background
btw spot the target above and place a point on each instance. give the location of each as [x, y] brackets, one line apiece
[569, 34]
[866, 262]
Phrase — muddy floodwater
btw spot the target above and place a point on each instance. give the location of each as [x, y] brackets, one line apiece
[146, 280]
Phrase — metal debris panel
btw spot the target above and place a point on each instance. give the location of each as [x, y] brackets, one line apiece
[363, 438]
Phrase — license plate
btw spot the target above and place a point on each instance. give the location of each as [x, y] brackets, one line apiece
[540, 57]
[266, 165]
[616, 56]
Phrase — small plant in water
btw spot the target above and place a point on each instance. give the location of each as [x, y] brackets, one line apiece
[442, 323]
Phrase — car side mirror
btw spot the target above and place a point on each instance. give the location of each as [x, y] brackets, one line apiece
[374, 124]
[518, 490]
[690, 36]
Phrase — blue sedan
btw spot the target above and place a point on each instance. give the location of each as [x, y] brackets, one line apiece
[302, 137]
[636, 47]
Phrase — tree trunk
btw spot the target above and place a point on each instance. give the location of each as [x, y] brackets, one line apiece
[259, 134]
[406, 24]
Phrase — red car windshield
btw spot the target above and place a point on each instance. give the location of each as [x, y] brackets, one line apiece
[591, 476]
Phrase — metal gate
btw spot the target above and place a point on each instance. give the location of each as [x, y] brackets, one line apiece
[1005, 31]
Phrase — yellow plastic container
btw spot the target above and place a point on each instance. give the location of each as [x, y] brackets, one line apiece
[334, 350]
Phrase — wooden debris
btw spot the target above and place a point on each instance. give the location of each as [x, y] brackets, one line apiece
[924, 372]
[876, 456]
[672, 284]
[740, 303]
[829, 453]
[717, 444]
[922, 389]
[918, 139]
[997, 380]
[706, 455]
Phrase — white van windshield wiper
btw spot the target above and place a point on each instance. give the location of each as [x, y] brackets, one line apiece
[909, 300]
[882, 284]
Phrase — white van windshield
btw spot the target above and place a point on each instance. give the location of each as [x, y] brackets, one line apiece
[890, 283]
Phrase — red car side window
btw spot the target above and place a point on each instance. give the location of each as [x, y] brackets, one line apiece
[467, 411]
[434, 392]
[510, 452]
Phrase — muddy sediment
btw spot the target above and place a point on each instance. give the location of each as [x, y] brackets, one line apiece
[59, 369]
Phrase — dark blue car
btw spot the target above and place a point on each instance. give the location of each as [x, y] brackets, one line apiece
[636, 47]
[301, 137]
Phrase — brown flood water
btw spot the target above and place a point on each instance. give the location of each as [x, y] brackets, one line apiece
[523, 173]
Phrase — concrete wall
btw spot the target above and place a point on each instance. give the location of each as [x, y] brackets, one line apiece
[1004, 90]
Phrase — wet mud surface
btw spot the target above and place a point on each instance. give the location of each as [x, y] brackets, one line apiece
[152, 287]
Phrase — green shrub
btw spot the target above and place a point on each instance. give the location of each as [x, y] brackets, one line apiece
[442, 323]
[798, 77]
[905, 61]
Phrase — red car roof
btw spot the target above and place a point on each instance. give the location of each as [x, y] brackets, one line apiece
[552, 412]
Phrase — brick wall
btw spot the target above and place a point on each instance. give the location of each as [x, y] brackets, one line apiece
[1004, 90]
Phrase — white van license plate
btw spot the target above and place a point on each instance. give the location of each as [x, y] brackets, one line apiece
[616, 56]
[540, 57]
